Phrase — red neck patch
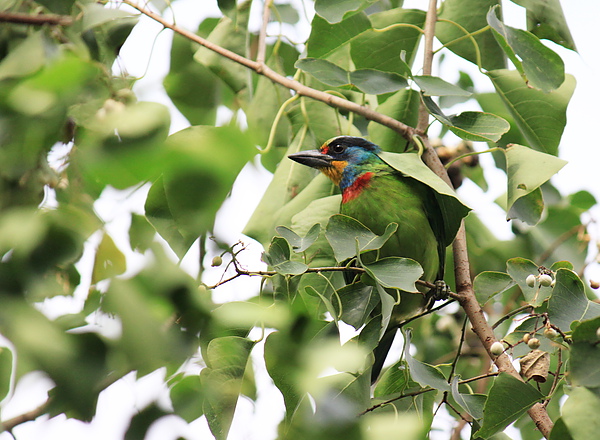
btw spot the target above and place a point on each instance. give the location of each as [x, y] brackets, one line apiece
[354, 190]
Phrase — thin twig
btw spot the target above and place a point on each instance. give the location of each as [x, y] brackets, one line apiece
[422, 391]
[430, 20]
[560, 240]
[262, 69]
[35, 20]
[511, 314]
[262, 36]
[29, 416]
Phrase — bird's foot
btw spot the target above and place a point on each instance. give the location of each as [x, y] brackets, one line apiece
[440, 291]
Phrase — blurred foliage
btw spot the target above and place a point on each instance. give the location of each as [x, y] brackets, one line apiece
[71, 130]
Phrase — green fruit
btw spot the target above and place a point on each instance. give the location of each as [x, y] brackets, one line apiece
[497, 348]
[545, 280]
[550, 333]
[530, 280]
[534, 343]
[526, 337]
[216, 261]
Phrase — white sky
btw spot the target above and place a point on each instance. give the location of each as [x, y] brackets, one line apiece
[147, 57]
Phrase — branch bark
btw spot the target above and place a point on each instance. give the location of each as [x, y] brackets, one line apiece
[36, 20]
[464, 286]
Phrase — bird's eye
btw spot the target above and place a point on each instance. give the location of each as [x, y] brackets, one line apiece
[337, 148]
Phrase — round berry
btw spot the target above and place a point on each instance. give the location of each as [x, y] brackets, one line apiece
[216, 261]
[497, 348]
[545, 280]
[530, 280]
[534, 343]
[550, 333]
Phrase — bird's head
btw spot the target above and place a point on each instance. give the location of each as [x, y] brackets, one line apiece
[342, 159]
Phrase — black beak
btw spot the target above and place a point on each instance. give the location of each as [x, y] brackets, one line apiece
[312, 158]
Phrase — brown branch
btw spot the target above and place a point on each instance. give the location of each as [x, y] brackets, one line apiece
[29, 416]
[262, 36]
[430, 19]
[269, 273]
[260, 68]
[35, 20]
[462, 273]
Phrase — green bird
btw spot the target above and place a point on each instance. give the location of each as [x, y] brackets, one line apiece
[376, 194]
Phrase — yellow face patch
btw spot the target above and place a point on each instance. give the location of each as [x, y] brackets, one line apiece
[334, 172]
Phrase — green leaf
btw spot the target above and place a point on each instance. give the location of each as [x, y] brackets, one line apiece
[187, 397]
[95, 15]
[508, 399]
[375, 82]
[540, 116]
[528, 208]
[6, 371]
[460, 16]
[278, 257]
[355, 303]
[226, 360]
[402, 106]
[560, 431]
[369, 81]
[228, 8]
[325, 37]
[141, 233]
[585, 364]
[229, 34]
[489, 284]
[176, 206]
[453, 210]
[527, 170]
[539, 65]
[335, 11]
[435, 86]
[473, 126]
[26, 58]
[579, 413]
[545, 19]
[471, 403]
[389, 47]
[424, 374]
[109, 261]
[299, 244]
[569, 302]
[192, 87]
[395, 272]
[325, 71]
[347, 236]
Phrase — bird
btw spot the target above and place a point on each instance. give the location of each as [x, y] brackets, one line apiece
[376, 194]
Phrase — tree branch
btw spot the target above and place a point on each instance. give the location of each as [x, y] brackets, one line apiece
[262, 36]
[462, 270]
[36, 20]
[430, 19]
[29, 416]
[260, 68]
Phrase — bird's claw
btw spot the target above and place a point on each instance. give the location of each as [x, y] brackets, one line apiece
[440, 291]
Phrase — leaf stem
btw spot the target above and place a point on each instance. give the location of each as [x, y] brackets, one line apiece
[472, 153]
